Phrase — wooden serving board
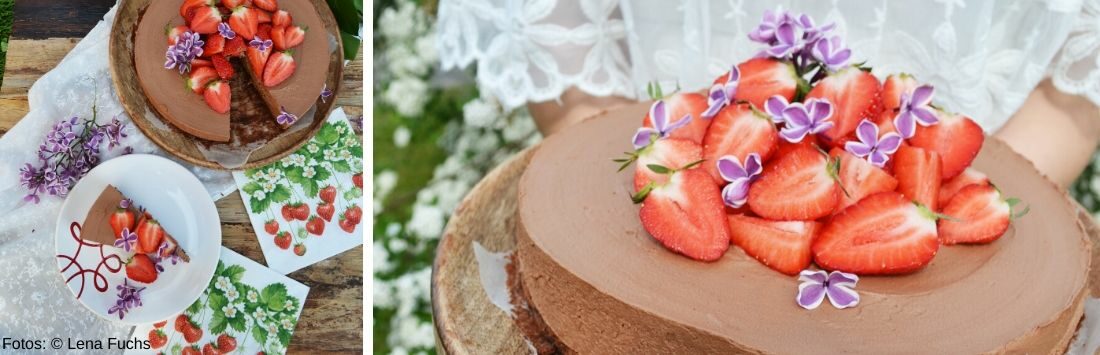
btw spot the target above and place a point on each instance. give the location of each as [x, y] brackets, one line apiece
[466, 322]
[183, 145]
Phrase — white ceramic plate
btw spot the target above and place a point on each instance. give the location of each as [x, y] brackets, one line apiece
[178, 201]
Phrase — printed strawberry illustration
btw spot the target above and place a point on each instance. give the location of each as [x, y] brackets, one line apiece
[192, 333]
[121, 219]
[191, 350]
[150, 234]
[326, 210]
[282, 240]
[315, 226]
[354, 214]
[357, 179]
[226, 343]
[182, 322]
[157, 339]
[346, 224]
[208, 349]
[301, 211]
[243, 21]
[299, 249]
[160, 324]
[288, 212]
[279, 67]
[327, 194]
[141, 269]
[271, 227]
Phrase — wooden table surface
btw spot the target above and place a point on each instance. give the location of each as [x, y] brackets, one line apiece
[332, 317]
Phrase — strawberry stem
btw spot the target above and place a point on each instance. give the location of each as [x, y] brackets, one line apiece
[642, 194]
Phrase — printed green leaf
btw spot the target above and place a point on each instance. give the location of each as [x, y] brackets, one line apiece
[279, 195]
[251, 187]
[234, 273]
[322, 173]
[238, 323]
[217, 301]
[274, 295]
[195, 307]
[294, 174]
[284, 337]
[259, 206]
[217, 323]
[328, 134]
[341, 166]
[259, 333]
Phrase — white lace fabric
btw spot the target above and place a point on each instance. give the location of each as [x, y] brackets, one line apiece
[34, 301]
[983, 57]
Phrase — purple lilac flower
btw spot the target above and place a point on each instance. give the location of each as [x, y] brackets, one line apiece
[129, 297]
[831, 53]
[325, 93]
[188, 47]
[817, 285]
[71, 149]
[126, 240]
[722, 94]
[814, 33]
[658, 116]
[162, 250]
[226, 31]
[774, 106]
[788, 40]
[125, 203]
[260, 45]
[915, 108]
[765, 31]
[740, 177]
[811, 117]
[285, 118]
[870, 146]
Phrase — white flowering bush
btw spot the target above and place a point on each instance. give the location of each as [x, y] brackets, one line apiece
[435, 137]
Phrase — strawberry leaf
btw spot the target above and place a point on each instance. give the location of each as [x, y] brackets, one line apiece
[641, 195]
[259, 334]
[660, 169]
[692, 164]
[218, 323]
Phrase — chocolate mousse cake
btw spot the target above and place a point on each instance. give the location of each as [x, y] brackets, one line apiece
[112, 215]
[231, 62]
[603, 284]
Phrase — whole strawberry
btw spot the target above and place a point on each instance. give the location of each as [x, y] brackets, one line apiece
[288, 212]
[326, 210]
[226, 343]
[301, 211]
[208, 349]
[300, 249]
[354, 214]
[357, 179]
[271, 227]
[191, 350]
[282, 240]
[157, 338]
[315, 226]
[327, 194]
[346, 224]
[192, 333]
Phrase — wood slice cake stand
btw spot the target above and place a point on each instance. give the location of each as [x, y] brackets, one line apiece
[466, 322]
[182, 145]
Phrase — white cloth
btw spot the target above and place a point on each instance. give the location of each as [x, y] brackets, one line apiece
[35, 304]
[983, 57]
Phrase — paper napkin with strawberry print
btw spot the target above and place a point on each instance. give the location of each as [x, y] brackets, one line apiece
[308, 206]
[246, 309]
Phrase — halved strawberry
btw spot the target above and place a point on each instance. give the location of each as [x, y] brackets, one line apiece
[799, 186]
[978, 214]
[894, 86]
[679, 105]
[762, 78]
[686, 215]
[784, 147]
[217, 96]
[215, 44]
[264, 31]
[279, 67]
[860, 178]
[174, 33]
[783, 246]
[281, 18]
[243, 21]
[269, 5]
[200, 77]
[738, 130]
[120, 220]
[141, 269]
[262, 16]
[233, 3]
[882, 234]
[257, 60]
[190, 5]
[918, 172]
[149, 235]
[952, 186]
[205, 20]
[855, 95]
[200, 63]
[234, 47]
[956, 138]
[225, 70]
[673, 153]
[290, 37]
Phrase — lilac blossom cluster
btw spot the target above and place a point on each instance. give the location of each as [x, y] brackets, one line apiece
[179, 56]
[797, 38]
[129, 297]
[71, 149]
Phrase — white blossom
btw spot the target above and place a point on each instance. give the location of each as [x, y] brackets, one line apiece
[381, 258]
[480, 113]
[401, 136]
[400, 23]
[408, 96]
[426, 222]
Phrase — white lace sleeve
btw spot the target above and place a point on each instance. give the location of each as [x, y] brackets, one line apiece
[531, 51]
[1076, 70]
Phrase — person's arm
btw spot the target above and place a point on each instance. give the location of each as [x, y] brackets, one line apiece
[573, 106]
[1058, 132]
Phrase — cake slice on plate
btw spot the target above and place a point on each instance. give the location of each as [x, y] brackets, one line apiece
[112, 214]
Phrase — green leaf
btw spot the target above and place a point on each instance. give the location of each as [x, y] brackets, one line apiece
[347, 17]
[234, 273]
[692, 164]
[357, 151]
[194, 308]
[279, 195]
[259, 206]
[657, 168]
[251, 187]
[274, 295]
[328, 134]
[217, 301]
[237, 323]
[284, 337]
[218, 322]
[259, 333]
[341, 166]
